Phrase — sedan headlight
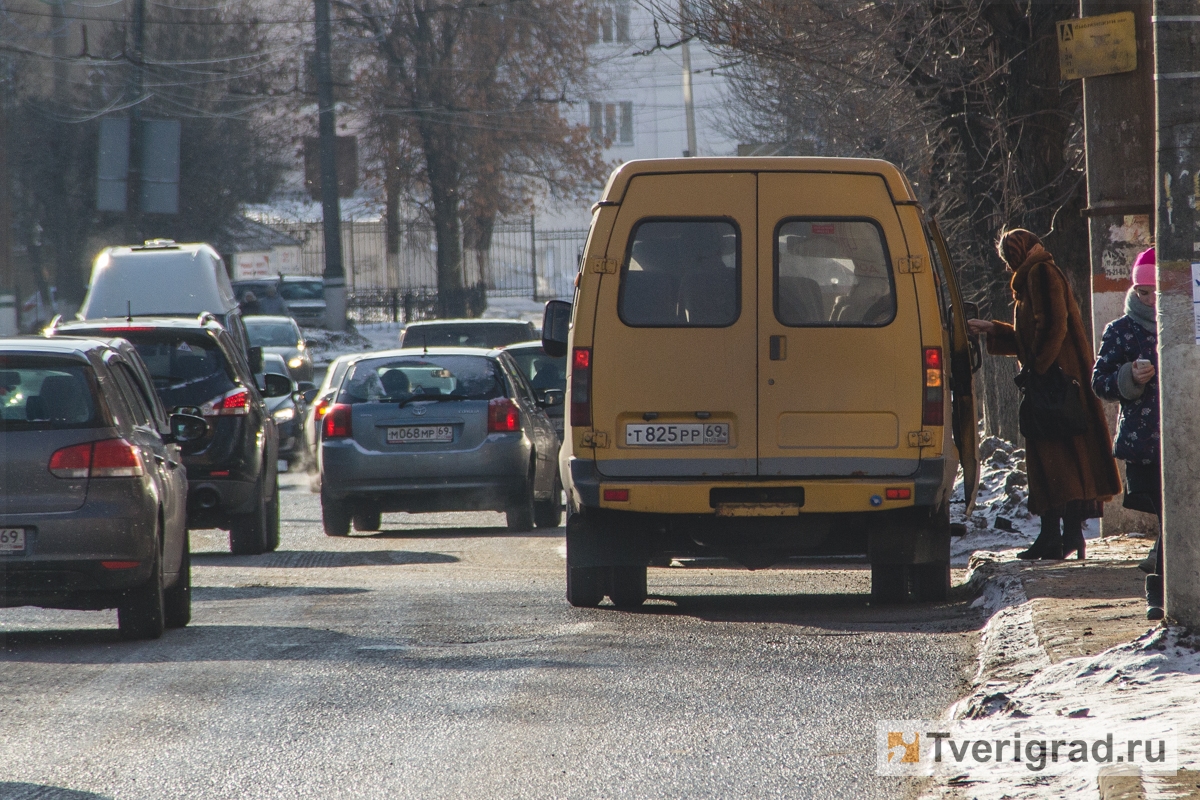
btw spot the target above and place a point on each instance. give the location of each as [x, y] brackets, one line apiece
[285, 414]
[295, 362]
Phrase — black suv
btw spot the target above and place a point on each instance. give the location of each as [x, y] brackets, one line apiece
[232, 473]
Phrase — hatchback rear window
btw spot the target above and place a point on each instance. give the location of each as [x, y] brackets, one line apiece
[832, 273]
[188, 369]
[422, 377]
[487, 334]
[45, 393]
[681, 274]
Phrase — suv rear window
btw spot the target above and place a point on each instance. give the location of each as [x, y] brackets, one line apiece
[46, 393]
[302, 290]
[189, 369]
[832, 273]
[681, 274]
[542, 371]
[475, 334]
[422, 377]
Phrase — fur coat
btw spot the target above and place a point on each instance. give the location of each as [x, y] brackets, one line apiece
[1047, 329]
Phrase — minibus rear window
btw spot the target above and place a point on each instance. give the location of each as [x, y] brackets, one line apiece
[681, 274]
[833, 273]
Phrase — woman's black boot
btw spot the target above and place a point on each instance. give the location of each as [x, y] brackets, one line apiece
[1049, 543]
[1072, 538]
[1154, 597]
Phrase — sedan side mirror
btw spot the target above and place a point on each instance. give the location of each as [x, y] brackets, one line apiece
[275, 385]
[556, 327]
[186, 428]
[552, 397]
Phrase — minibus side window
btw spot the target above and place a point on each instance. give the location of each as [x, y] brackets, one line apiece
[681, 273]
[833, 273]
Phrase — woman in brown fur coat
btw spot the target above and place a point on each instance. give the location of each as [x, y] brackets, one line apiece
[1066, 476]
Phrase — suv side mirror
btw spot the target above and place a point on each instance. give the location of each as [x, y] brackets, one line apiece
[187, 428]
[552, 397]
[556, 326]
[275, 385]
[308, 395]
[256, 360]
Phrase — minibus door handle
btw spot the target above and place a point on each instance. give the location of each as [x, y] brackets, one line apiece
[778, 348]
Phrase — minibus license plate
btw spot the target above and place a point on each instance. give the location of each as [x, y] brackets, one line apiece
[12, 540]
[420, 433]
[675, 434]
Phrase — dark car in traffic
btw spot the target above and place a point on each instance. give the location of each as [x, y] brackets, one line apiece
[233, 470]
[282, 335]
[93, 512]
[485, 333]
[288, 412]
[443, 429]
[547, 376]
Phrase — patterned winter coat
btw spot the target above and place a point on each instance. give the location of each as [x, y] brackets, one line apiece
[1126, 340]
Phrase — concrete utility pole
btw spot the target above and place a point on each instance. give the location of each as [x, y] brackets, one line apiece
[689, 109]
[1118, 117]
[9, 315]
[137, 76]
[1177, 90]
[331, 210]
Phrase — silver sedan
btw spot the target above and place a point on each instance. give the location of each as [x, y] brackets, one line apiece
[437, 429]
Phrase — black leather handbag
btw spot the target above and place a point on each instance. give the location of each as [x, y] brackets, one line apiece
[1051, 405]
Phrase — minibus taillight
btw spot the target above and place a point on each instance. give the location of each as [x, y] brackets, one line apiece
[336, 424]
[933, 411]
[581, 388]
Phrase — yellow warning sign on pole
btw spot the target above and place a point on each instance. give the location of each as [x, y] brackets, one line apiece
[1091, 46]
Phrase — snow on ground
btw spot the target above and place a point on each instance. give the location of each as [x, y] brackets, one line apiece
[1001, 518]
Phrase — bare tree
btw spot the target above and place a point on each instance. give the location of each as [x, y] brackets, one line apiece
[476, 90]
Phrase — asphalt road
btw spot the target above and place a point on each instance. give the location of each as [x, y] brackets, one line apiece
[438, 659]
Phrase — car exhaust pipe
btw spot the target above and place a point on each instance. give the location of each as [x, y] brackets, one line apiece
[207, 498]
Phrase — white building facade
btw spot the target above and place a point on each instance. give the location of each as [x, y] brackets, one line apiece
[637, 103]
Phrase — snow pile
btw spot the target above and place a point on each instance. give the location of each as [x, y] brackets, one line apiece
[1001, 518]
[324, 346]
[1153, 681]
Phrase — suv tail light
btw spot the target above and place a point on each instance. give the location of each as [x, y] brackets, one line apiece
[231, 404]
[503, 416]
[933, 410]
[111, 458]
[336, 424]
[581, 387]
[320, 407]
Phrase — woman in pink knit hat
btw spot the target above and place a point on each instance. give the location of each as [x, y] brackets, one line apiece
[1126, 372]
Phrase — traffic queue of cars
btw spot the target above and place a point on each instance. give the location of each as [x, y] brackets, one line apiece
[150, 415]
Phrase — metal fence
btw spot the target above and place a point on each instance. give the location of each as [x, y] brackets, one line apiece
[521, 262]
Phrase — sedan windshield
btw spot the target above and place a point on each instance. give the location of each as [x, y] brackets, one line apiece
[416, 378]
[272, 334]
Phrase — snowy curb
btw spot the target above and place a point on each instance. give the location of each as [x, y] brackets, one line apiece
[1010, 652]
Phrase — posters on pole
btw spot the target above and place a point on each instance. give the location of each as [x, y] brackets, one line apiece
[1196, 299]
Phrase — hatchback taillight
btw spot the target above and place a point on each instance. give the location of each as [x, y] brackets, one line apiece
[111, 458]
[581, 387]
[232, 404]
[933, 410]
[319, 408]
[336, 423]
[503, 416]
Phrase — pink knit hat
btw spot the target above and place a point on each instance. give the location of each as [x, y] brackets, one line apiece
[1143, 269]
